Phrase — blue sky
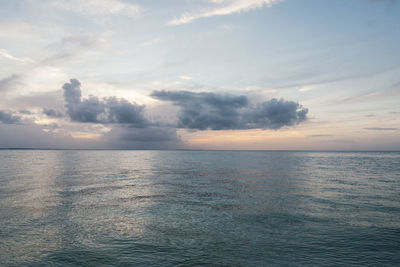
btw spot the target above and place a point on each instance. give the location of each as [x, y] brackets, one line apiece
[337, 59]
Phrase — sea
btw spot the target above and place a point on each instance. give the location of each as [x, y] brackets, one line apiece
[199, 208]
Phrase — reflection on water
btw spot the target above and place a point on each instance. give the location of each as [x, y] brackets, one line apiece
[199, 207]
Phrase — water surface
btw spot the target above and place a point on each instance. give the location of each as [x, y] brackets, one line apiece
[157, 208]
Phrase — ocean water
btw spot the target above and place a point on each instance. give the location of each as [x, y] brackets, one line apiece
[190, 208]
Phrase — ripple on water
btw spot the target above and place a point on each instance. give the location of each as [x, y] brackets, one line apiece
[183, 208]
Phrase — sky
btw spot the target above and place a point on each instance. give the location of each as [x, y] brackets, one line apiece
[200, 74]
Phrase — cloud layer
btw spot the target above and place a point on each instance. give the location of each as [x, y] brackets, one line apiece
[203, 111]
[198, 111]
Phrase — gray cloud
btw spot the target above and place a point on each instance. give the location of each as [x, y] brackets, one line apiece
[130, 130]
[275, 114]
[153, 134]
[7, 83]
[143, 138]
[25, 112]
[204, 111]
[52, 113]
[9, 118]
[33, 136]
[106, 110]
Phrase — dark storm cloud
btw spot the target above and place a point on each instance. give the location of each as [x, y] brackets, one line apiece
[204, 111]
[9, 118]
[106, 110]
[52, 113]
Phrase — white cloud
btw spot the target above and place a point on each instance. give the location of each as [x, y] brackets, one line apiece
[183, 77]
[40, 79]
[98, 7]
[306, 88]
[6, 54]
[221, 8]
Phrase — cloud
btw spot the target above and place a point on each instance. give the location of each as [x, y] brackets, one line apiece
[81, 41]
[45, 69]
[25, 112]
[70, 46]
[33, 136]
[52, 113]
[106, 110]
[319, 135]
[212, 111]
[9, 118]
[153, 134]
[275, 114]
[7, 83]
[329, 80]
[53, 99]
[6, 54]
[374, 94]
[221, 8]
[143, 138]
[184, 77]
[98, 8]
[205, 110]
[306, 88]
[380, 129]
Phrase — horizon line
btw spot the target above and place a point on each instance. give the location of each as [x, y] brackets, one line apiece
[188, 149]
